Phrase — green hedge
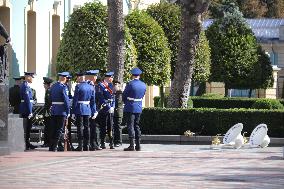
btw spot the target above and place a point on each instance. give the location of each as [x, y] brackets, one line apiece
[220, 103]
[215, 121]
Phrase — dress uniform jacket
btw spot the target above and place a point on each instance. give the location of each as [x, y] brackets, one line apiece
[59, 99]
[15, 98]
[132, 96]
[105, 96]
[84, 99]
[26, 93]
[47, 103]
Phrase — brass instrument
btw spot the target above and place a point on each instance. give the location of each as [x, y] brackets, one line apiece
[188, 133]
[216, 140]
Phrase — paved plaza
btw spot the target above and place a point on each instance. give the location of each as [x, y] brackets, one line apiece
[157, 166]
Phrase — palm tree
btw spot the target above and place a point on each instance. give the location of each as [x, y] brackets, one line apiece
[191, 19]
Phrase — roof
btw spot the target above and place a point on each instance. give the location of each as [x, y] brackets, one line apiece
[262, 28]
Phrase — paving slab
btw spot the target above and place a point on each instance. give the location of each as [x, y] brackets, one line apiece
[157, 166]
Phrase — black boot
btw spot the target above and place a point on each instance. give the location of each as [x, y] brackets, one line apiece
[53, 145]
[60, 147]
[103, 144]
[131, 146]
[111, 146]
[80, 146]
[137, 145]
[85, 146]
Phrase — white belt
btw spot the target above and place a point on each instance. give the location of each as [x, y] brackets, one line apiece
[57, 102]
[134, 99]
[31, 101]
[84, 102]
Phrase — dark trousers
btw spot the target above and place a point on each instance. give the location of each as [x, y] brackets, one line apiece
[132, 121]
[28, 129]
[94, 133]
[117, 130]
[106, 126]
[58, 123]
[47, 130]
[83, 129]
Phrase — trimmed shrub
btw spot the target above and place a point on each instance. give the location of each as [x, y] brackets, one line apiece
[84, 43]
[176, 121]
[267, 104]
[153, 52]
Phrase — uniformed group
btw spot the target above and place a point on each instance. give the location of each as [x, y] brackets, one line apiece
[94, 107]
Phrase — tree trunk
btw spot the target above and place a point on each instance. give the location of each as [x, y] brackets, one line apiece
[116, 47]
[226, 91]
[190, 30]
[250, 92]
[162, 95]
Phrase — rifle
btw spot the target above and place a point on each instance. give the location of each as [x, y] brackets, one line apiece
[67, 146]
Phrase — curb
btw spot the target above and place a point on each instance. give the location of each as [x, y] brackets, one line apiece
[185, 139]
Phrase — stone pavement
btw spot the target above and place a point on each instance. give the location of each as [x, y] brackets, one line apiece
[157, 166]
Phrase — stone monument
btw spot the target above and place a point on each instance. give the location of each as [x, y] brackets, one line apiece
[11, 126]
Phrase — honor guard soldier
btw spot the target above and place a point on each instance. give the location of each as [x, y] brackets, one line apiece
[47, 111]
[26, 106]
[91, 78]
[83, 107]
[60, 109]
[14, 95]
[132, 97]
[107, 104]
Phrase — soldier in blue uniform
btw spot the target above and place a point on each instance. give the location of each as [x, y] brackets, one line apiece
[107, 104]
[26, 106]
[83, 107]
[132, 97]
[60, 108]
[91, 78]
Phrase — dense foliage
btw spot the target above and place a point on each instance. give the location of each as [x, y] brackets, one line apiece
[236, 58]
[152, 47]
[84, 43]
[252, 8]
[177, 121]
[267, 104]
[168, 15]
[216, 101]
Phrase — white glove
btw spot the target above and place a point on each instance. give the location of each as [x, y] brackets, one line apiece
[68, 115]
[111, 110]
[95, 115]
[30, 116]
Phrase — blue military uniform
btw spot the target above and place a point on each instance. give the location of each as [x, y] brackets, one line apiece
[132, 97]
[105, 117]
[60, 109]
[83, 107]
[26, 108]
[94, 129]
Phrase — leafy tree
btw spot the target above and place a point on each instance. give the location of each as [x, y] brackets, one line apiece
[84, 43]
[191, 19]
[168, 15]
[201, 70]
[236, 59]
[275, 8]
[152, 47]
[252, 8]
